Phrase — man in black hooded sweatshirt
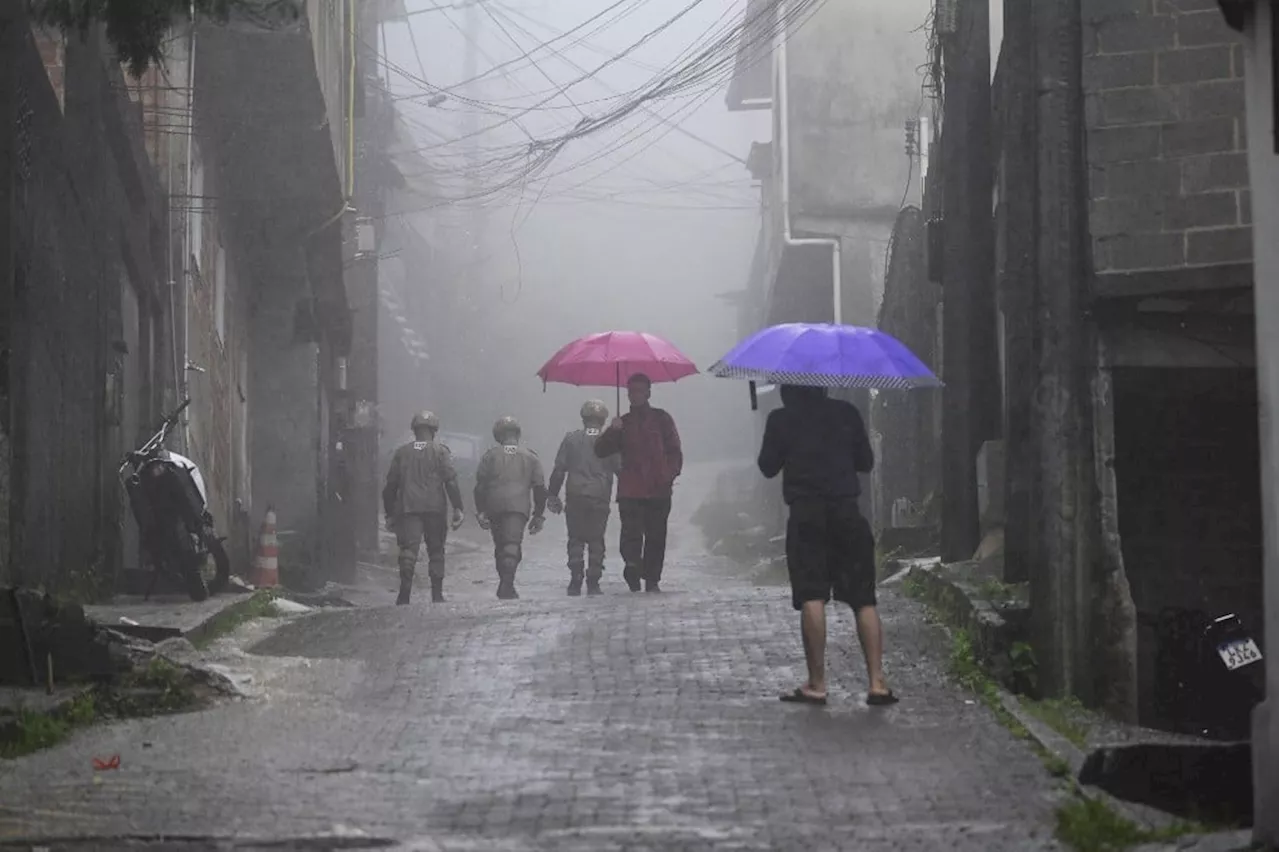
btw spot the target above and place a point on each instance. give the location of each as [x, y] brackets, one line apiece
[820, 445]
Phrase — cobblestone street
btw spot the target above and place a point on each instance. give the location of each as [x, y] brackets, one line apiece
[621, 722]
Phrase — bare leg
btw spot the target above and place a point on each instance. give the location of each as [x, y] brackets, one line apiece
[813, 633]
[869, 635]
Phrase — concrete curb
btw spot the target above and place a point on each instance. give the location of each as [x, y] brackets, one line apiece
[1150, 819]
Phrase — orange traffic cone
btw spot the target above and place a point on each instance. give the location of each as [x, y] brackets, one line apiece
[265, 564]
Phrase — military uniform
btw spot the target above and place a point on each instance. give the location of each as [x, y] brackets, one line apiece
[421, 485]
[510, 494]
[588, 489]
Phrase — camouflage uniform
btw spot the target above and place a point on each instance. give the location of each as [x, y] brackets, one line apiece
[588, 489]
[421, 485]
[510, 494]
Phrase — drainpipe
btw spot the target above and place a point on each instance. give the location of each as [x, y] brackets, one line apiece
[780, 98]
[192, 210]
[923, 153]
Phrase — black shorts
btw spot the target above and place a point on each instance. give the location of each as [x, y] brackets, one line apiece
[831, 553]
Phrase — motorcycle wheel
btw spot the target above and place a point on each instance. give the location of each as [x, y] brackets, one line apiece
[222, 565]
[186, 562]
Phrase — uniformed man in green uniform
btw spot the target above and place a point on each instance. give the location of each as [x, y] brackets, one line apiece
[588, 488]
[511, 494]
[421, 479]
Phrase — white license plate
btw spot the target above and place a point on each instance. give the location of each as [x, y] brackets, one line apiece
[1239, 653]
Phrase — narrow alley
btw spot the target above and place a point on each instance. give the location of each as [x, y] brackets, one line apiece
[620, 722]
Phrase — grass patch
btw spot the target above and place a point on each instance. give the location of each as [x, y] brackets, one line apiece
[1087, 825]
[913, 585]
[997, 593]
[158, 689]
[258, 605]
[1064, 715]
[33, 731]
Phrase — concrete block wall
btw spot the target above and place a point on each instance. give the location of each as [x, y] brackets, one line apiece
[1164, 102]
[1190, 534]
[854, 81]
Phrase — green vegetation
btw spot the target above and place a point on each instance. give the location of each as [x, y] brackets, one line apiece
[1024, 668]
[1087, 825]
[257, 605]
[1067, 716]
[997, 593]
[138, 31]
[913, 585]
[33, 731]
[158, 689]
[966, 669]
[1083, 824]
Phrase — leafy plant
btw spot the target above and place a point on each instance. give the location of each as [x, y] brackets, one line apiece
[1024, 668]
[1088, 825]
[137, 28]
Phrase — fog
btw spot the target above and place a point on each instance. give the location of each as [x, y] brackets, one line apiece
[637, 227]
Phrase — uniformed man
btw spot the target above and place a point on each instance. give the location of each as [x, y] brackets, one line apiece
[588, 488]
[508, 475]
[421, 479]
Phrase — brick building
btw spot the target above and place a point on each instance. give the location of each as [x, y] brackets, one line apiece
[84, 332]
[1158, 422]
[200, 246]
[1256, 21]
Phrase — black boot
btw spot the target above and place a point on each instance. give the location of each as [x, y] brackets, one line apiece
[507, 590]
[651, 586]
[575, 584]
[437, 590]
[593, 582]
[406, 586]
[631, 574]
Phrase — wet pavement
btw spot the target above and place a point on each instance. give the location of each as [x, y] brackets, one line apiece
[628, 721]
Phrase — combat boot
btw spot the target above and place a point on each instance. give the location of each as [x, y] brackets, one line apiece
[575, 584]
[437, 590]
[631, 573]
[406, 586]
[593, 581]
[507, 590]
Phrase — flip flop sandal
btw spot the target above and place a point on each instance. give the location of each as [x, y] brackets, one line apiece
[799, 696]
[881, 699]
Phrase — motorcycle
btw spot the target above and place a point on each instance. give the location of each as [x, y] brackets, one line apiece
[1207, 680]
[170, 505]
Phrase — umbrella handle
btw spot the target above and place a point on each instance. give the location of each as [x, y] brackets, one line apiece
[755, 402]
[617, 389]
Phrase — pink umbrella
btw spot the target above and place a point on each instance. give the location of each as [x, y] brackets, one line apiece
[609, 358]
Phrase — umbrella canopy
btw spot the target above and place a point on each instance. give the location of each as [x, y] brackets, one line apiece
[825, 355]
[609, 358]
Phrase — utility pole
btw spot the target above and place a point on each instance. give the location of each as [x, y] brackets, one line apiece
[1063, 507]
[968, 325]
[1017, 275]
[12, 15]
[474, 219]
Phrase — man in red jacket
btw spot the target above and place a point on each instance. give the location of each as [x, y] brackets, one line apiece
[651, 460]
